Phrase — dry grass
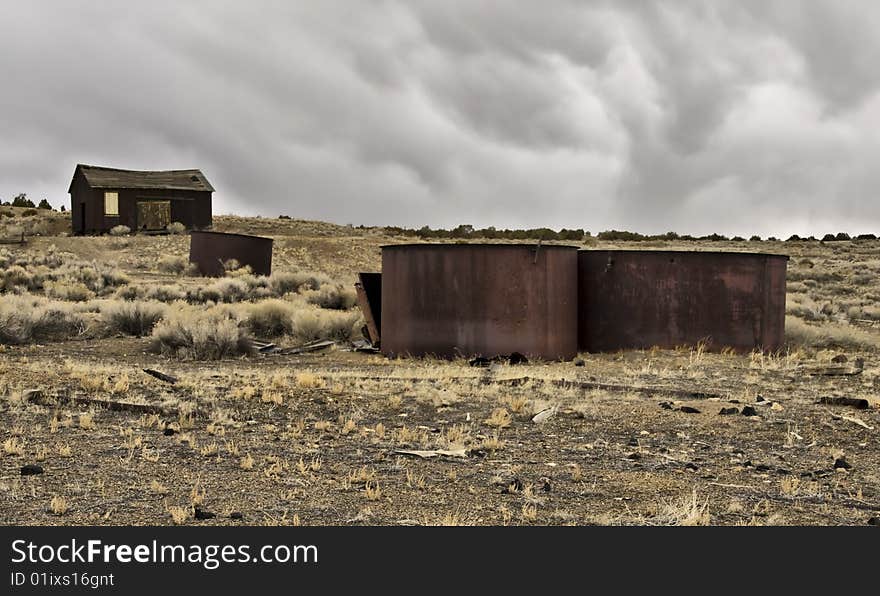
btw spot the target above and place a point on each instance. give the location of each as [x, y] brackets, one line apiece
[58, 505]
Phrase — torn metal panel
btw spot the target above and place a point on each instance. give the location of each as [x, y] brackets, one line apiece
[369, 299]
[210, 250]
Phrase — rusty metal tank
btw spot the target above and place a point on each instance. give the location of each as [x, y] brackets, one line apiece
[485, 300]
[642, 298]
[210, 250]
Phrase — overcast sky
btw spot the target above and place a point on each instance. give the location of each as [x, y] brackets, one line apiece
[735, 117]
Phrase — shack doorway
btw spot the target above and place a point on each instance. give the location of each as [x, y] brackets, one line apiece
[153, 215]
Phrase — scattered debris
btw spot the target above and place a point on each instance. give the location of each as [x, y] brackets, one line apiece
[841, 370]
[263, 347]
[161, 376]
[31, 469]
[579, 362]
[513, 358]
[749, 411]
[852, 419]
[666, 405]
[117, 406]
[688, 410]
[545, 484]
[545, 414]
[426, 454]
[479, 361]
[236, 515]
[728, 411]
[361, 345]
[312, 346]
[168, 432]
[855, 402]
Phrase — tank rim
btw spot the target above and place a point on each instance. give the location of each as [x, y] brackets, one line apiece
[445, 245]
[230, 234]
[685, 252]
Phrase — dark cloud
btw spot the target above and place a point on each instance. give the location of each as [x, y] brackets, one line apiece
[740, 117]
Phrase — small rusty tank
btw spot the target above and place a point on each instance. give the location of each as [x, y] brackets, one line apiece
[642, 298]
[210, 250]
[486, 300]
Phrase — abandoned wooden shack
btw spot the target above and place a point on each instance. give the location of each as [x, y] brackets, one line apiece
[101, 198]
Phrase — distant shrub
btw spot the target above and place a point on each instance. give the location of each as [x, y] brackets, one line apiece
[44, 204]
[336, 297]
[285, 282]
[21, 200]
[29, 213]
[270, 318]
[755, 239]
[794, 238]
[866, 237]
[120, 230]
[175, 227]
[165, 293]
[172, 264]
[828, 335]
[71, 291]
[26, 318]
[200, 335]
[309, 325]
[842, 236]
[131, 318]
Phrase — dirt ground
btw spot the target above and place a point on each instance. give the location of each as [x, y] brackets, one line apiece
[326, 450]
[633, 437]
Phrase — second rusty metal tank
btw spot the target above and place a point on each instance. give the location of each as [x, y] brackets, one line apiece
[642, 298]
[211, 250]
[479, 299]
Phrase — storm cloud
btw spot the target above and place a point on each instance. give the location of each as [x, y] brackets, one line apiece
[732, 117]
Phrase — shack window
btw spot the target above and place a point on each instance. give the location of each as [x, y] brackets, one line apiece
[111, 203]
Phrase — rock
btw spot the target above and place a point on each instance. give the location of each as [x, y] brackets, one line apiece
[874, 521]
[691, 466]
[634, 456]
[666, 405]
[688, 410]
[545, 484]
[200, 513]
[579, 362]
[776, 406]
[749, 411]
[841, 464]
[759, 398]
[168, 432]
[728, 411]
[762, 468]
[840, 359]
[479, 361]
[633, 442]
[236, 515]
[31, 470]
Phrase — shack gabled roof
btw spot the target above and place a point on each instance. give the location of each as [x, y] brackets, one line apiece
[101, 177]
